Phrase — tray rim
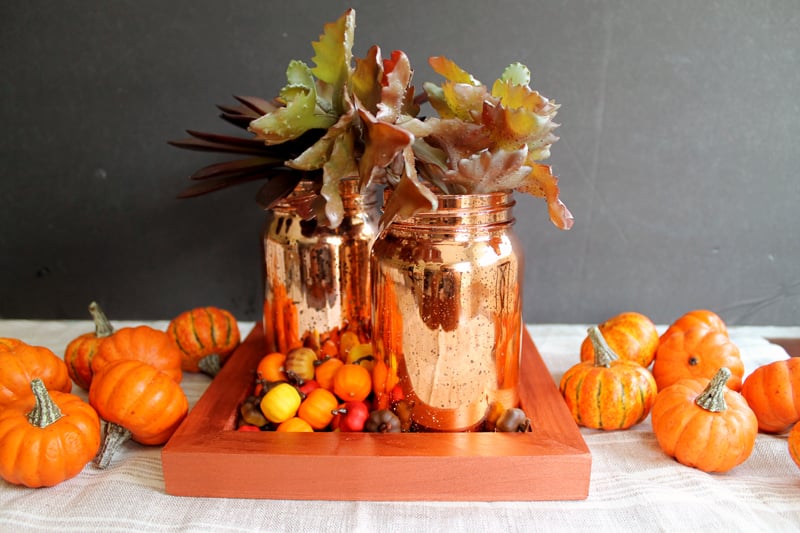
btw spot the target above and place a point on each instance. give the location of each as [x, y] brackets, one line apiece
[207, 457]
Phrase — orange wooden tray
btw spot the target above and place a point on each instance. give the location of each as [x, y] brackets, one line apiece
[208, 457]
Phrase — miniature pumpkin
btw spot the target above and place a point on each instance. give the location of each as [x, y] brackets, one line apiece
[773, 393]
[697, 352]
[81, 350]
[9, 343]
[206, 336]
[695, 318]
[794, 444]
[318, 408]
[326, 370]
[22, 363]
[281, 402]
[632, 336]
[46, 438]
[299, 364]
[352, 382]
[270, 367]
[383, 421]
[137, 401]
[347, 341]
[704, 424]
[294, 425]
[144, 344]
[607, 393]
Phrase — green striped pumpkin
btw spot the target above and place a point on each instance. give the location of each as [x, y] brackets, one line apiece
[206, 336]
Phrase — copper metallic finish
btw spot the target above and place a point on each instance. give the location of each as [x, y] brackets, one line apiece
[316, 279]
[447, 309]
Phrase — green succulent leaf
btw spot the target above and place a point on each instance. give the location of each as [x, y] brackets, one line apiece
[334, 53]
[300, 113]
[340, 165]
[516, 74]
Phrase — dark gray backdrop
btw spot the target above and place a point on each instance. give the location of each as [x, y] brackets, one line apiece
[678, 153]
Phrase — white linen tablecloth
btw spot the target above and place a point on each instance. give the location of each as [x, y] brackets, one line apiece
[634, 486]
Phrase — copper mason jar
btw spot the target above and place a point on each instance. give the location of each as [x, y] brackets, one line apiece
[447, 310]
[316, 278]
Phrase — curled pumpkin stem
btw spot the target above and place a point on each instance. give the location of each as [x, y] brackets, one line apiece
[115, 436]
[102, 326]
[210, 364]
[603, 354]
[45, 412]
[713, 397]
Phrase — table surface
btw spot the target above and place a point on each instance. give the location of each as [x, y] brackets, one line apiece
[634, 486]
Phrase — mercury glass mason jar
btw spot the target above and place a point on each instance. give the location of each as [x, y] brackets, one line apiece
[447, 310]
[316, 278]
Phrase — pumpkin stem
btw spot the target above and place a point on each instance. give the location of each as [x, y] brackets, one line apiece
[713, 398]
[115, 436]
[210, 364]
[603, 354]
[45, 412]
[102, 326]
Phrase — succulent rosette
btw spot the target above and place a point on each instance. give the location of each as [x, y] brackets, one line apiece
[484, 141]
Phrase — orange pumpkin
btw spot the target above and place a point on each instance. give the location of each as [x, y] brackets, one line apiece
[325, 372]
[9, 343]
[794, 444]
[294, 425]
[138, 401]
[21, 364]
[144, 344]
[206, 336]
[347, 341]
[318, 408]
[703, 424]
[607, 393]
[352, 382]
[632, 336]
[773, 393]
[81, 350]
[696, 318]
[46, 438]
[697, 353]
[270, 367]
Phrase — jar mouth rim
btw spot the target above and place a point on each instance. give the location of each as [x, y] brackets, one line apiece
[497, 199]
[465, 210]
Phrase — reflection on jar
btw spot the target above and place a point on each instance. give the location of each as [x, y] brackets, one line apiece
[316, 278]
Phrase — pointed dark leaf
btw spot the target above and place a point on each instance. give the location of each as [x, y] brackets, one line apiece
[259, 105]
[218, 138]
[206, 146]
[240, 121]
[237, 166]
[279, 186]
[207, 186]
[238, 110]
